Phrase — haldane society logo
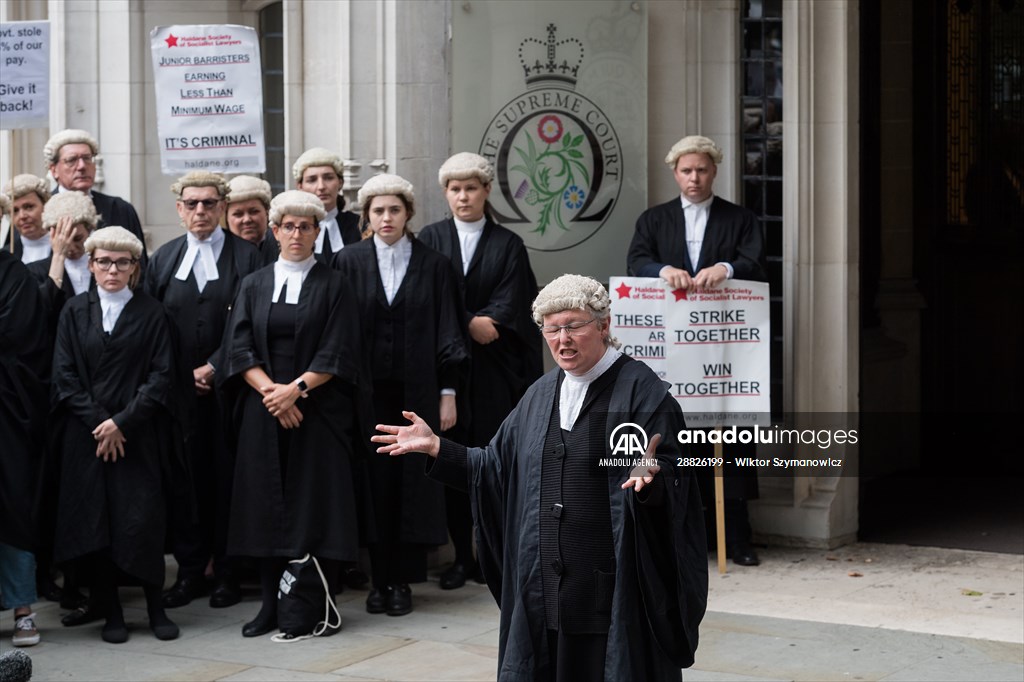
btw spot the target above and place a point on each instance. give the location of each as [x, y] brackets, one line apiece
[557, 156]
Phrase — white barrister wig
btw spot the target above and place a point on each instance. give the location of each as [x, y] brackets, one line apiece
[23, 184]
[114, 238]
[694, 144]
[386, 185]
[317, 156]
[246, 187]
[463, 166]
[298, 203]
[200, 179]
[5, 205]
[76, 205]
[574, 292]
[51, 152]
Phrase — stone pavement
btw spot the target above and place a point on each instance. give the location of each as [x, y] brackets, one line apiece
[911, 614]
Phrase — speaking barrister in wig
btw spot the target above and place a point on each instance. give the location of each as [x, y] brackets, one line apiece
[112, 378]
[600, 571]
[414, 350]
[291, 361]
[497, 286]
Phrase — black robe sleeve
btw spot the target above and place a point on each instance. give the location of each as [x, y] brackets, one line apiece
[67, 387]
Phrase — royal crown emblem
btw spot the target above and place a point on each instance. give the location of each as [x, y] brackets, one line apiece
[541, 63]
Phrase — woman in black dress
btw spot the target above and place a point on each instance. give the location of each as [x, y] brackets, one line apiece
[112, 377]
[291, 352]
[408, 307]
[497, 286]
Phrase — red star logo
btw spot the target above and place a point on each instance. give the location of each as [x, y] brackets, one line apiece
[623, 291]
[680, 294]
[171, 40]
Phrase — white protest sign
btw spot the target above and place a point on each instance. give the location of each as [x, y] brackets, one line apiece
[24, 74]
[209, 98]
[715, 348]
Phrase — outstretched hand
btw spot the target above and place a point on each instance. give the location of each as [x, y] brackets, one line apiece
[644, 475]
[399, 440]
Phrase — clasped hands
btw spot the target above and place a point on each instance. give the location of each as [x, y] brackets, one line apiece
[279, 399]
[707, 278]
[109, 441]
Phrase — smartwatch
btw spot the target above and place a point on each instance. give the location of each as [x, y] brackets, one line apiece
[303, 387]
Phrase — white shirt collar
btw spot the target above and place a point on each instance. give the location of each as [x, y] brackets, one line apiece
[112, 305]
[574, 388]
[393, 263]
[293, 274]
[78, 272]
[699, 205]
[475, 226]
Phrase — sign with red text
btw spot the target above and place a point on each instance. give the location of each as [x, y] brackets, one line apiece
[209, 98]
[710, 345]
[24, 74]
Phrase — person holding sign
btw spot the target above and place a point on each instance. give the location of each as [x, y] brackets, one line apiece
[71, 156]
[196, 277]
[497, 286]
[28, 194]
[701, 240]
[599, 567]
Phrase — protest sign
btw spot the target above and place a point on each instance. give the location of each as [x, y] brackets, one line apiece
[710, 345]
[209, 98]
[24, 74]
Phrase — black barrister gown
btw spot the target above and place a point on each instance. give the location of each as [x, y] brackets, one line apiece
[26, 342]
[431, 353]
[315, 510]
[661, 580]
[126, 375]
[198, 321]
[499, 284]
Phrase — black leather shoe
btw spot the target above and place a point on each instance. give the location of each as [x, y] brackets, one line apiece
[377, 600]
[354, 578]
[183, 592]
[400, 601]
[226, 593]
[49, 590]
[71, 599]
[260, 625]
[83, 615]
[744, 555]
[454, 577]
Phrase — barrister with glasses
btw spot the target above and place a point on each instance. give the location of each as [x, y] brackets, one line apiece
[291, 360]
[196, 277]
[112, 380]
[71, 156]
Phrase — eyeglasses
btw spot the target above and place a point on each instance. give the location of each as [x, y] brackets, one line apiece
[552, 331]
[192, 204]
[72, 161]
[122, 264]
[304, 228]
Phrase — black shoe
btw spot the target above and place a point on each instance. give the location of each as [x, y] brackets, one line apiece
[83, 615]
[50, 591]
[354, 578]
[163, 627]
[377, 600]
[226, 593]
[454, 577]
[260, 625]
[744, 555]
[400, 601]
[115, 631]
[183, 592]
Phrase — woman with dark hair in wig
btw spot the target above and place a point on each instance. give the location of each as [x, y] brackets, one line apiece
[112, 377]
[497, 286]
[408, 306]
[291, 353]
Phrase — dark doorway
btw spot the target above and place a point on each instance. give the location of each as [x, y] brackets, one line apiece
[962, 486]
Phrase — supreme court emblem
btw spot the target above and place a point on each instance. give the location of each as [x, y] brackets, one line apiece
[556, 155]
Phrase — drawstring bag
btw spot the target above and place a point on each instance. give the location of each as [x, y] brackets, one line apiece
[305, 605]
